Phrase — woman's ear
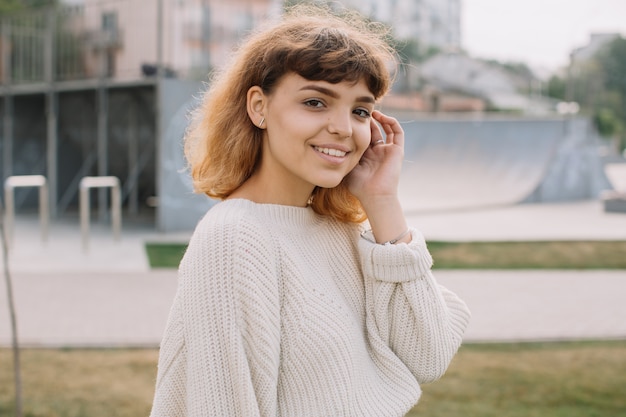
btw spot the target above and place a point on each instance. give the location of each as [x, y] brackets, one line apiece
[256, 104]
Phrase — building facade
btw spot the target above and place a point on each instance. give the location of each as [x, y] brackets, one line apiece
[129, 39]
[435, 23]
[186, 37]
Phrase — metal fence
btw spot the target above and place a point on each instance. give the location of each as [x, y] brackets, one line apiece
[42, 45]
[123, 39]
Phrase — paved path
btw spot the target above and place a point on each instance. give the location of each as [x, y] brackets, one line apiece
[541, 305]
[90, 309]
[108, 296]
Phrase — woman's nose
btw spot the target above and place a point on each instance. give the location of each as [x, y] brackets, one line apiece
[340, 124]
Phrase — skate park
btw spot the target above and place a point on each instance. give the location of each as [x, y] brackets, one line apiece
[464, 179]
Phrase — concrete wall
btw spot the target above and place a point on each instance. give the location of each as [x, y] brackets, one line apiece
[179, 207]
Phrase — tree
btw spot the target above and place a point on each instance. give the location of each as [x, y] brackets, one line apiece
[608, 124]
[612, 64]
[598, 85]
[556, 87]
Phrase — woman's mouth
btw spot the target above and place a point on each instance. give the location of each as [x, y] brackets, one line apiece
[331, 151]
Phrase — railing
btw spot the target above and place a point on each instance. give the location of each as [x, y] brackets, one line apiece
[86, 184]
[17, 181]
[119, 39]
[42, 45]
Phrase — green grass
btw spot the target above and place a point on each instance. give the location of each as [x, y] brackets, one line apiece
[481, 255]
[165, 255]
[80, 383]
[531, 380]
[530, 255]
[577, 379]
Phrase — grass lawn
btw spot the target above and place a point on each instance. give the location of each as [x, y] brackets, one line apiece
[531, 380]
[80, 383]
[584, 379]
[165, 255]
[480, 255]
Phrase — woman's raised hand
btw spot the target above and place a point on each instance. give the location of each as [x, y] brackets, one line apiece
[378, 172]
[374, 181]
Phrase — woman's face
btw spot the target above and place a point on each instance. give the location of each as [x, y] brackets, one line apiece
[316, 133]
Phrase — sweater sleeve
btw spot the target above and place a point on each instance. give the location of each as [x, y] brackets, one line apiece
[421, 321]
[220, 354]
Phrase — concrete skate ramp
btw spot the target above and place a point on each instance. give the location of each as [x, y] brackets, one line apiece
[460, 164]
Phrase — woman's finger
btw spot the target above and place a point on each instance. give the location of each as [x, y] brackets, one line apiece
[392, 128]
[376, 134]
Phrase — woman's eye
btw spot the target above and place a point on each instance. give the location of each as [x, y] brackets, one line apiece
[314, 103]
[362, 113]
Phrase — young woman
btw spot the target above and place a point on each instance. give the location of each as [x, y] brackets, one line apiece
[303, 292]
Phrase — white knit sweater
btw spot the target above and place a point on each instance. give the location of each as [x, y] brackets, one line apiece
[282, 312]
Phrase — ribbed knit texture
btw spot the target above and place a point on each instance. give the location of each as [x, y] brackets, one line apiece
[282, 312]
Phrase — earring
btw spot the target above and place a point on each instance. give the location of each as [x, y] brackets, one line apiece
[261, 122]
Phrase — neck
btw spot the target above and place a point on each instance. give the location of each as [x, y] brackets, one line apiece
[262, 191]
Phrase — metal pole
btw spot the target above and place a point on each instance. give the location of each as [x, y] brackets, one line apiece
[8, 115]
[102, 146]
[7, 154]
[6, 52]
[44, 210]
[51, 151]
[102, 126]
[83, 202]
[51, 111]
[9, 212]
[158, 104]
[159, 36]
[133, 156]
[116, 209]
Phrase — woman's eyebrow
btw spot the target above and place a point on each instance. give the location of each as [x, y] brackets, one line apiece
[333, 94]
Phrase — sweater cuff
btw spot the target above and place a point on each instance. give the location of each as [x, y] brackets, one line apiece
[401, 262]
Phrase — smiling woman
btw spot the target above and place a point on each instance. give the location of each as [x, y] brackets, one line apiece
[303, 292]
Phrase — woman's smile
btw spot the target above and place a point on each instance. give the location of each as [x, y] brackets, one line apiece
[332, 154]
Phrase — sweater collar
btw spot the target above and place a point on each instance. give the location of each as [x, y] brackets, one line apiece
[290, 216]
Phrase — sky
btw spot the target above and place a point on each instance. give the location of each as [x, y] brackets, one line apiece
[540, 33]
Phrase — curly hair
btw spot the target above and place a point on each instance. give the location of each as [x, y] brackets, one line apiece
[222, 145]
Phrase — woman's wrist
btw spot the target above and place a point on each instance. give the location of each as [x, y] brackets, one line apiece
[386, 218]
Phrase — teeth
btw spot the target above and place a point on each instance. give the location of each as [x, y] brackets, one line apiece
[332, 152]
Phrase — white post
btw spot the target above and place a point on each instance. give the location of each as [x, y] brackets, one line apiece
[88, 183]
[13, 182]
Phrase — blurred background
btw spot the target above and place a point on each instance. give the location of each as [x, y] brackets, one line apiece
[515, 121]
[523, 102]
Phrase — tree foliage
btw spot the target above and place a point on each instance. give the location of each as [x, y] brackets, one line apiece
[599, 86]
[556, 87]
[612, 60]
[8, 6]
[607, 122]
[610, 113]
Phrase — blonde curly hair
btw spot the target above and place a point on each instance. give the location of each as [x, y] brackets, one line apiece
[222, 145]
